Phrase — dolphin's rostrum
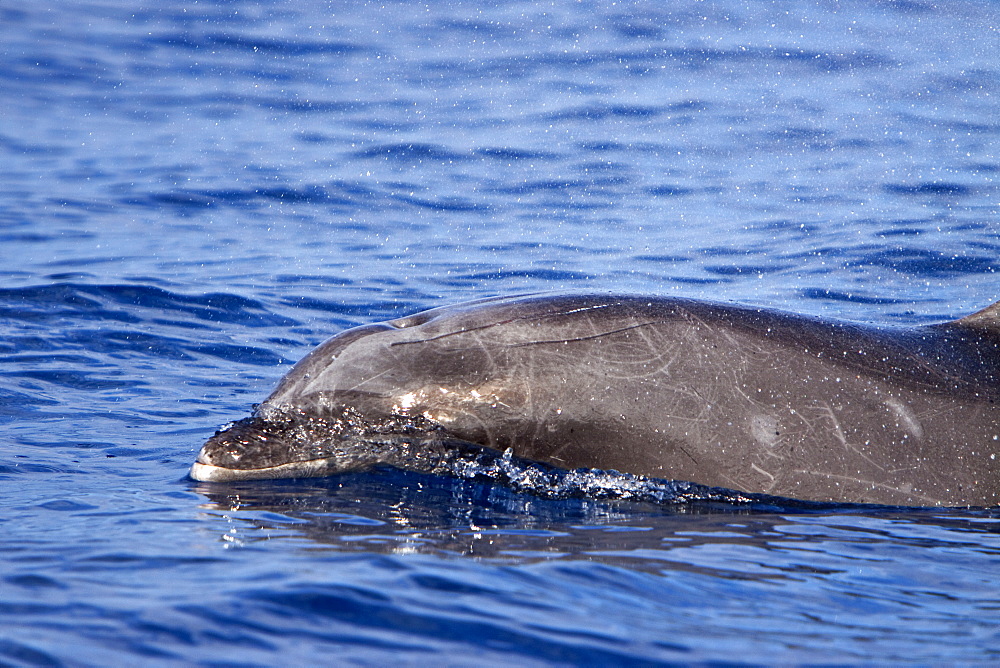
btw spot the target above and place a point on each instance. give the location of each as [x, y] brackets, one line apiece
[744, 398]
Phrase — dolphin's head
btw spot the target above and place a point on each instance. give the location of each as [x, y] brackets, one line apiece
[366, 396]
[322, 419]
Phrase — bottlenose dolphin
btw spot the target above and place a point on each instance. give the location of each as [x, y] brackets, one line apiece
[745, 398]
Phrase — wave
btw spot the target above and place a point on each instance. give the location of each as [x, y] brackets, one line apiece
[117, 302]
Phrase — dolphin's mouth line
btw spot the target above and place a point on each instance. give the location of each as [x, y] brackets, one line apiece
[304, 469]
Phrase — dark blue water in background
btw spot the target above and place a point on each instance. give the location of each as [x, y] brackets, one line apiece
[193, 194]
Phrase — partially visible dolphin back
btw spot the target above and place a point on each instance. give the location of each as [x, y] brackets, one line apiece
[745, 398]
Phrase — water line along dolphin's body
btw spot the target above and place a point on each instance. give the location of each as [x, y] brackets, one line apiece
[745, 398]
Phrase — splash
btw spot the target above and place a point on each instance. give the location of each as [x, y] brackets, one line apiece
[542, 480]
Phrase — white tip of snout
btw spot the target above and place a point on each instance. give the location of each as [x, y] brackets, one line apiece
[208, 473]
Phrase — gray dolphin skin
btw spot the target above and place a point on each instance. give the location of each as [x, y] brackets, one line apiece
[745, 398]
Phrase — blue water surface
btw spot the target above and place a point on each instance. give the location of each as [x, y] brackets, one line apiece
[194, 194]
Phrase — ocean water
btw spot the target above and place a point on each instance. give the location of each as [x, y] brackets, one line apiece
[194, 194]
